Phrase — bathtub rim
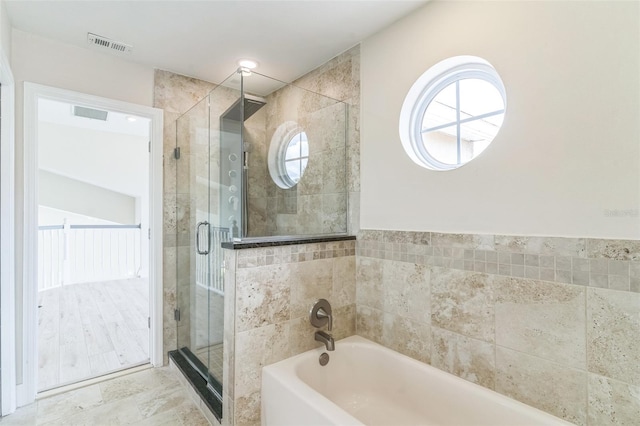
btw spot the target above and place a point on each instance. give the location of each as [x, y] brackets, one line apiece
[287, 369]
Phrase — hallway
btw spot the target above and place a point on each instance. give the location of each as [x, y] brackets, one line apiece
[90, 329]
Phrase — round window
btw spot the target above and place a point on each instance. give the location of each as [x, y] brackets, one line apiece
[452, 113]
[288, 154]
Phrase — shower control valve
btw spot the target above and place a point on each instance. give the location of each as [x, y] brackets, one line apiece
[320, 314]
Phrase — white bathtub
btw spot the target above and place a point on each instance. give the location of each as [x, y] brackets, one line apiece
[368, 384]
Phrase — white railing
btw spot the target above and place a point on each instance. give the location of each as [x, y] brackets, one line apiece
[69, 254]
[209, 275]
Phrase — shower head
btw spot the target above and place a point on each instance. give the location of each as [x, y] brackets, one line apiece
[251, 105]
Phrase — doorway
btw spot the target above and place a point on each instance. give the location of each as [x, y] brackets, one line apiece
[93, 282]
[93, 268]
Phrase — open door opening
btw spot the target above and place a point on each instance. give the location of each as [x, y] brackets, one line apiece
[93, 249]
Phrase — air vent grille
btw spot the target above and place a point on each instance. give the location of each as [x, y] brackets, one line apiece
[85, 112]
[105, 43]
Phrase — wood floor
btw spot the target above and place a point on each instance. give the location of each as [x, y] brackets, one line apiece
[90, 329]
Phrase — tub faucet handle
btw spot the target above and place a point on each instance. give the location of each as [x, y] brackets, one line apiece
[320, 314]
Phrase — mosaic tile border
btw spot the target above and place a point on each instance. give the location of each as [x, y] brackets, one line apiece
[601, 263]
[253, 258]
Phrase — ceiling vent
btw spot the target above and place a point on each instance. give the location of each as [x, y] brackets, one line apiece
[104, 43]
[94, 114]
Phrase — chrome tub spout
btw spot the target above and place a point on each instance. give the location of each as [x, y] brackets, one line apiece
[325, 338]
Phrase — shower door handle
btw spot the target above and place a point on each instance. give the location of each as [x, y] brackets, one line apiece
[198, 230]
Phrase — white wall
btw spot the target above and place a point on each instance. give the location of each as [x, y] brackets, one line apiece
[7, 263]
[43, 61]
[5, 29]
[114, 161]
[568, 153]
[51, 216]
[72, 195]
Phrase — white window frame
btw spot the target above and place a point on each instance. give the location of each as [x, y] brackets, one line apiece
[425, 89]
[297, 159]
[277, 151]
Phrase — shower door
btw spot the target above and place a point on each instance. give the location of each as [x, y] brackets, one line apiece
[203, 184]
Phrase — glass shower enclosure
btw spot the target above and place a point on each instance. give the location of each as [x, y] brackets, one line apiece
[232, 151]
[208, 204]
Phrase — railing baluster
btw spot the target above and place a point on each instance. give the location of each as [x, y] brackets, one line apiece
[87, 253]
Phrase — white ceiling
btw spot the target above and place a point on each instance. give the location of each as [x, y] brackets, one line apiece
[61, 113]
[205, 39]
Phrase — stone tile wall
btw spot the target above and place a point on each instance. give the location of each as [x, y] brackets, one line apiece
[552, 322]
[175, 94]
[272, 291]
[318, 203]
[339, 79]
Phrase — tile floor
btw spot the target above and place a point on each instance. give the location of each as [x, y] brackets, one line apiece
[213, 356]
[153, 396]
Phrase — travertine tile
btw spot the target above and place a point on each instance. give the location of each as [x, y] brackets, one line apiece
[63, 406]
[470, 359]
[613, 249]
[467, 241]
[301, 336]
[309, 282]
[551, 387]
[169, 341]
[177, 93]
[370, 235]
[353, 219]
[262, 296]
[541, 318]
[634, 280]
[163, 418]
[613, 334]
[406, 290]
[344, 281]
[612, 402]
[541, 245]
[344, 321]
[228, 414]
[190, 415]
[256, 348]
[321, 194]
[407, 336]
[463, 302]
[228, 365]
[369, 290]
[138, 383]
[617, 282]
[22, 416]
[159, 400]
[369, 323]
[191, 392]
[247, 410]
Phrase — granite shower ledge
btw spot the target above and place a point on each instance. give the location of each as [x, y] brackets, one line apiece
[283, 241]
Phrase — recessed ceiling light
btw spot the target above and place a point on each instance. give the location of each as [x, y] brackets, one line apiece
[131, 119]
[247, 63]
